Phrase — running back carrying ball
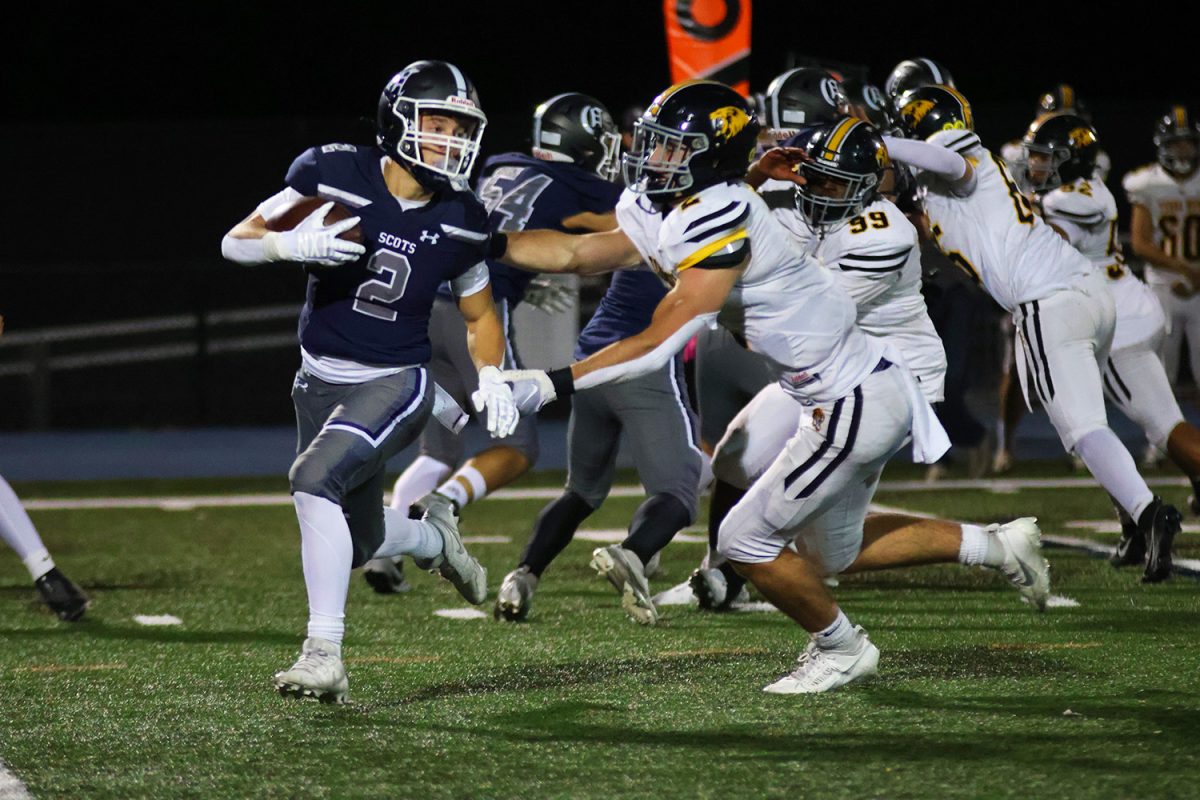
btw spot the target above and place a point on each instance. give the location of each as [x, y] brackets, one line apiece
[299, 210]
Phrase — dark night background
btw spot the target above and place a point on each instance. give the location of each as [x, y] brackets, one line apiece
[134, 140]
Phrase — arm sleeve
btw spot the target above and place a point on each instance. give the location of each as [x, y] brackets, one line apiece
[655, 359]
[474, 280]
[927, 156]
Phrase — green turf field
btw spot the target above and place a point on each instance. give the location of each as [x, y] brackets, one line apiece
[972, 699]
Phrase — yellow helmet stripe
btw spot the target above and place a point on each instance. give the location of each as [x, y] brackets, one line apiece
[1180, 116]
[838, 136]
[1068, 95]
[962, 101]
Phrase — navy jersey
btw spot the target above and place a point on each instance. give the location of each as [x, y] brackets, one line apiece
[522, 192]
[376, 310]
[624, 311]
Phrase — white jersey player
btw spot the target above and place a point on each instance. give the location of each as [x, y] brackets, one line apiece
[1061, 307]
[1165, 231]
[688, 214]
[867, 243]
[1058, 161]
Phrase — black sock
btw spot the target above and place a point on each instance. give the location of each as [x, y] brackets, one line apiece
[655, 523]
[724, 497]
[553, 530]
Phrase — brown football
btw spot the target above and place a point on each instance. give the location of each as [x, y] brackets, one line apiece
[299, 210]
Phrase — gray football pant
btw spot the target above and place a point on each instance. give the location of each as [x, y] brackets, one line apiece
[660, 428]
[728, 376]
[345, 435]
[453, 369]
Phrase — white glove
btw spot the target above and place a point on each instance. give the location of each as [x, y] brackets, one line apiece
[551, 296]
[496, 398]
[531, 389]
[314, 243]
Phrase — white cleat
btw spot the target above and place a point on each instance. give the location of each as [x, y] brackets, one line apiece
[624, 570]
[515, 595]
[653, 565]
[1023, 561]
[819, 670]
[386, 575]
[454, 563]
[318, 674]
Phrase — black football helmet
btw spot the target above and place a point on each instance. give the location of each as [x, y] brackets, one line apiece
[577, 128]
[1062, 98]
[694, 135]
[1172, 135]
[929, 109]
[804, 96]
[847, 160]
[436, 158]
[1058, 149]
[910, 74]
[867, 100]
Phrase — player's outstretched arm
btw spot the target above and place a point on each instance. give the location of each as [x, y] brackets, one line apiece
[553, 251]
[936, 159]
[486, 343]
[693, 303]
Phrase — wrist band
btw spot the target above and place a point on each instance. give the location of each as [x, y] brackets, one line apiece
[563, 382]
[497, 245]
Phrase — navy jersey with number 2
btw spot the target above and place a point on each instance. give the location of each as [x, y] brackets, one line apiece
[376, 310]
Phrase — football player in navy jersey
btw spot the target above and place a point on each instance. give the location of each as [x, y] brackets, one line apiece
[362, 393]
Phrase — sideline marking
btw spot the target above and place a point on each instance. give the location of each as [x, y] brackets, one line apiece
[157, 619]
[460, 613]
[68, 668]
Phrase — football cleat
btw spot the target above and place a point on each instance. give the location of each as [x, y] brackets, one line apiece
[62, 596]
[454, 563]
[386, 575]
[1003, 461]
[515, 595]
[1131, 548]
[820, 670]
[624, 571]
[1023, 561]
[712, 590]
[318, 673]
[653, 565]
[1159, 524]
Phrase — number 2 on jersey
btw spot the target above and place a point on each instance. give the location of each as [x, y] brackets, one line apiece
[372, 296]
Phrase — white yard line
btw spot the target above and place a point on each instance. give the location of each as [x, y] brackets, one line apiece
[11, 787]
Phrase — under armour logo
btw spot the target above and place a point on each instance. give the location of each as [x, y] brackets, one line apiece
[300, 384]
[432, 238]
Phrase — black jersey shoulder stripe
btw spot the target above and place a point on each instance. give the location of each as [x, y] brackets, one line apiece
[721, 225]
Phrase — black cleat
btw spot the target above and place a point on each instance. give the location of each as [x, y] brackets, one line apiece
[1158, 525]
[62, 596]
[1131, 549]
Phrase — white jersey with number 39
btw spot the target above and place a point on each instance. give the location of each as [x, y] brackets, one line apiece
[785, 305]
[994, 234]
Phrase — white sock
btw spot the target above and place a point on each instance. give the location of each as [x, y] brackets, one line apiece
[706, 472]
[422, 477]
[456, 491]
[326, 553]
[1115, 470]
[16, 528]
[404, 536]
[838, 635]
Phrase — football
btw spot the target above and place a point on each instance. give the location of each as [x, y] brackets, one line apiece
[298, 211]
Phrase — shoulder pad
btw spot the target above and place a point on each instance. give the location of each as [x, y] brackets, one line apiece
[874, 248]
[707, 224]
[1074, 206]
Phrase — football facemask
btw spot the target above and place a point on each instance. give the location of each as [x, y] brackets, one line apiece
[658, 160]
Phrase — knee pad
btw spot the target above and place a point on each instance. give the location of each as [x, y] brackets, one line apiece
[747, 540]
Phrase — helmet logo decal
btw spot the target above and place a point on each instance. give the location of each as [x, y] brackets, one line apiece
[915, 111]
[1081, 137]
[730, 120]
[830, 91]
[881, 156]
[873, 96]
[591, 117]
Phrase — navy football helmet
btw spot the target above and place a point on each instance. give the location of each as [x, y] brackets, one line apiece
[913, 73]
[694, 135]
[1058, 149]
[846, 163]
[435, 157]
[1177, 140]
[577, 128]
[929, 109]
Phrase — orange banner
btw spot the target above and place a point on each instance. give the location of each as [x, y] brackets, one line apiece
[709, 39]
